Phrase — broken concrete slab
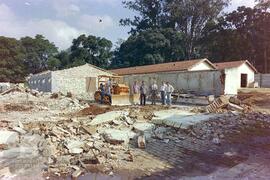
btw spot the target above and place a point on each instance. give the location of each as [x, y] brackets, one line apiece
[235, 107]
[18, 152]
[90, 129]
[75, 150]
[105, 118]
[74, 146]
[115, 136]
[143, 127]
[8, 137]
[180, 119]
[159, 132]
[19, 130]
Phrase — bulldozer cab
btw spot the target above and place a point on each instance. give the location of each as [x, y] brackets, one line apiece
[119, 92]
[104, 79]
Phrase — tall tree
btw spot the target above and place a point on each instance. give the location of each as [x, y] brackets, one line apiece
[149, 47]
[91, 49]
[190, 18]
[64, 58]
[241, 34]
[12, 68]
[150, 15]
[38, 51]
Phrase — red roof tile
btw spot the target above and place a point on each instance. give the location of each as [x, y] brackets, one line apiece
[233, 64]
[165, 67]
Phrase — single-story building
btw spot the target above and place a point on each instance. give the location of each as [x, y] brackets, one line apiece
[199, 76]
[237, 74]
[77, 80]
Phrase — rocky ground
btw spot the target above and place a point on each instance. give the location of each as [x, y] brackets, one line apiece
[56, 136]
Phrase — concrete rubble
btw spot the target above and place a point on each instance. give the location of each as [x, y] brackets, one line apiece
[68, 139]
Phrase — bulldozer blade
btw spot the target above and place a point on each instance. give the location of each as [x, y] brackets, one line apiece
[122, 100]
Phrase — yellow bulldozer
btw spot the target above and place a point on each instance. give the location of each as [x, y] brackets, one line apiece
[120, 93]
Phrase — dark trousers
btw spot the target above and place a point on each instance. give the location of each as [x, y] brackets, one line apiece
[163, 97]
[101, 97]
[143, 98]
[154, 97]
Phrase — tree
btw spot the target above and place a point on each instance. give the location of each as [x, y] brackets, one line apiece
[38, 51]
[64, 58]
[91, 49]
[241, 34]
[190, 18]
[149, 47]
[150, 15]
[54, 63]
[186, 16]
[12, 68]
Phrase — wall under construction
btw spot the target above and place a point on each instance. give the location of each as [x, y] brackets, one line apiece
[197, 82]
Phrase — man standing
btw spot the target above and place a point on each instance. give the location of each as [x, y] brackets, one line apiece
[143, 91]
[102, 92]
[154, 90]
[163, 92]
[108, 89]
[169, 90]
[136, 88]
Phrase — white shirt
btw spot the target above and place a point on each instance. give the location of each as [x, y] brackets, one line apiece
[163, 87]
[169, 89]
[154, 87]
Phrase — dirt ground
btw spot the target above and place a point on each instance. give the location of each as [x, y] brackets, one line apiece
[258, 99]
[232, 145]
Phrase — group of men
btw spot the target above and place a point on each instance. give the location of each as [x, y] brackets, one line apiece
[166, 90]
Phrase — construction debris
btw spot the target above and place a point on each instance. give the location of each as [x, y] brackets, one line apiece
[224, 103]
[71, 137]
[141, 142]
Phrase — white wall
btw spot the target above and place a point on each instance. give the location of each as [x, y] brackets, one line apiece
[201, 66]
[200, 82]
[233, 78]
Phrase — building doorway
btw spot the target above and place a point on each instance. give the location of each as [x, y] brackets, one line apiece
[244, 80]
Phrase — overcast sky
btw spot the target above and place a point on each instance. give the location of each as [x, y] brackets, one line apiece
[63, 20]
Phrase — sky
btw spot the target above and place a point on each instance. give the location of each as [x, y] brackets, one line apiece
[61, 21]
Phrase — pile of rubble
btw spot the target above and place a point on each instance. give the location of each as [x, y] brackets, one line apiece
[82, 143]
[19, 99]
[219, 128]
[224, 103]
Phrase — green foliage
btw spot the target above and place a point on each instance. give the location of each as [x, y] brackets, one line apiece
[150, 15]
[241, 34]
[64, 58]
[90, 49]
[53, 63]
[149, 47]
[12, 67]
[186, 16]
[38, 51]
